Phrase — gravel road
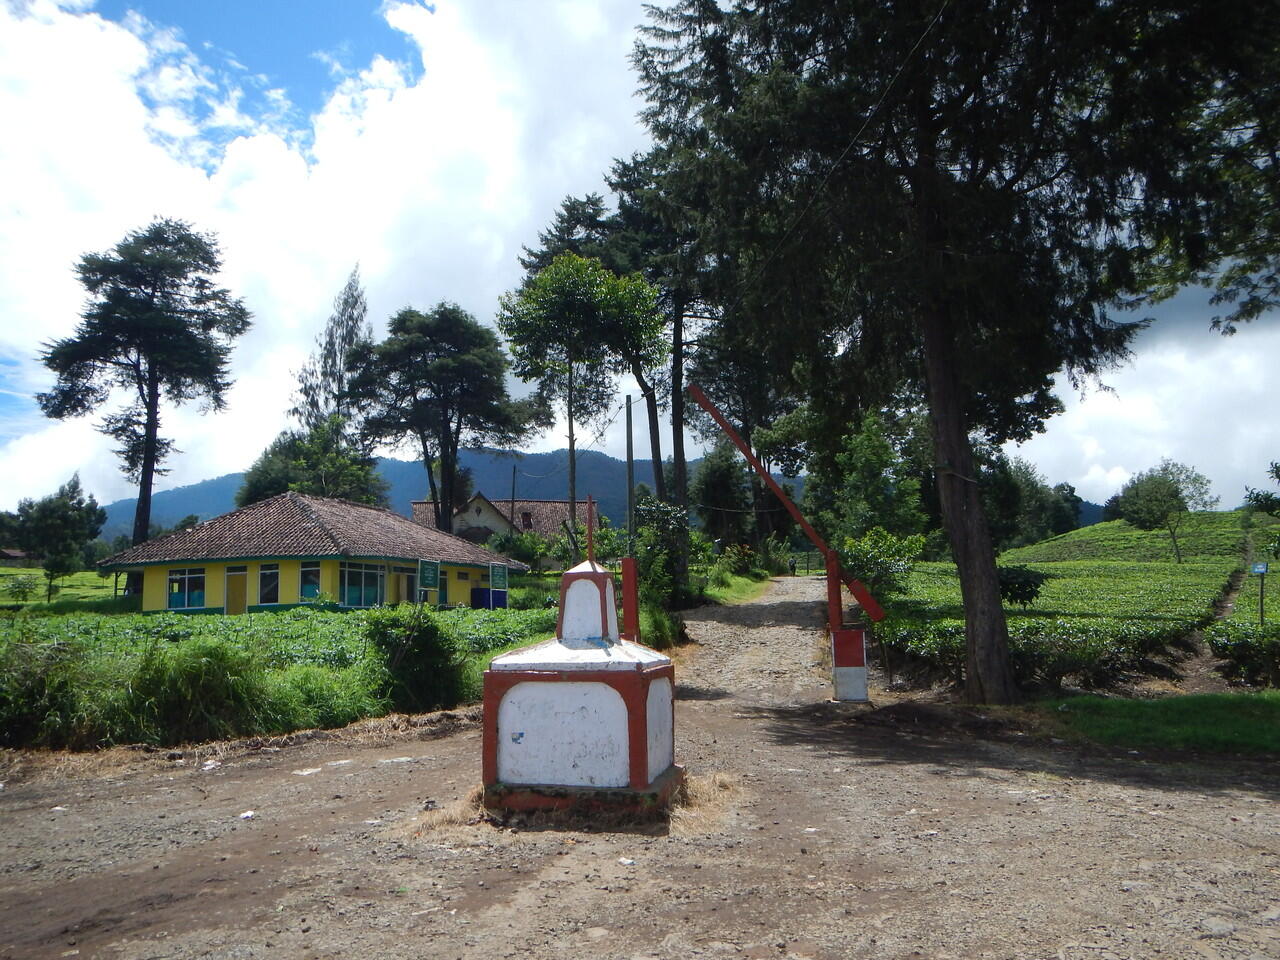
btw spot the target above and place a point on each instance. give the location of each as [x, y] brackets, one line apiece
[819, 831]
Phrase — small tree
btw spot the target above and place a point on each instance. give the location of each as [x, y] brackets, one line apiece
[574, 325]
[1162, 497]
[438, 382]
[56, 529]
[22, 587]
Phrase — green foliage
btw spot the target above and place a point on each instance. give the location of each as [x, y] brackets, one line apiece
[89, 680]
[659, 628]
[156, 326]
[438, 382]
[323, 380]
[527, 547]
[775, 555]
[1021, 585]
[738, 559]
[1251, 649]
[1098, 623]
[662, 532]
[56, 529]
[320, 462]
[721, 495]
[1202, 537]
[22, 587]
[882, 561]
[1161, 497]
[1213, 723]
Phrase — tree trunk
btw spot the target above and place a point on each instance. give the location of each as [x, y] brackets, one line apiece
[431, 478]
[988, 676]
[680, 471]
[655, 437]
[573, 464]
[146, 474]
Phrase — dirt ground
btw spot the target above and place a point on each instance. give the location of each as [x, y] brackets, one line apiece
[820, 830]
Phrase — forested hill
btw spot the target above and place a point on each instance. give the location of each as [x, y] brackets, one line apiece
[538, 476]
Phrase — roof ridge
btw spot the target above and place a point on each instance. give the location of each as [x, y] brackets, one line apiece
[303, 501]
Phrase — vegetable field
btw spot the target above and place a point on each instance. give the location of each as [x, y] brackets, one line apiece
[1115, 607]
[88, 680]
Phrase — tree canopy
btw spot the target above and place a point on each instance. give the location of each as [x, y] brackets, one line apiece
[438, 381]
[572, 327]
[1162, 496]
[57, 527]
[948, 200]
[155, 327]
[320, 461]
[322, 382]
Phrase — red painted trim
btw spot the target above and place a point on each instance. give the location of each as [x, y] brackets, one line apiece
[859, 590]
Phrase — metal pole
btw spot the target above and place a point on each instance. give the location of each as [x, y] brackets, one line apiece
[631, 483]
[1262, 592]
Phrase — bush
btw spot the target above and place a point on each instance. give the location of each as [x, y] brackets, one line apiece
[1042, 653]
[880, 560]
[659, 629]
[1252, 650]
[424, 663]
[737, 558]
[775, 555]
[22, 587]
[1021, 585]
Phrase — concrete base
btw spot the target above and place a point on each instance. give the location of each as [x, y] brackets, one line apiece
[653, 800]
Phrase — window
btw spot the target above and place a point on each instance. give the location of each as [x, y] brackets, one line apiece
[462, 575]
[309, 586]
[186, 588]
[269, 583]
[526, 518]
[360, 585]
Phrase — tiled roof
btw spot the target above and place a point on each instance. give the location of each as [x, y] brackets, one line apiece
[298, 525]
[544, 515]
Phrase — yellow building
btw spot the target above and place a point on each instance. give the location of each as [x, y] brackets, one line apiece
[294, 548]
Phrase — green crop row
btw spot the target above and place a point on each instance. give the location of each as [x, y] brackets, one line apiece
[89, 680]
[1201, 536]
[1095, 623]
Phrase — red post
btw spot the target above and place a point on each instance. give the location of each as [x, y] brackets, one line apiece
[835, 610]
[630, 601]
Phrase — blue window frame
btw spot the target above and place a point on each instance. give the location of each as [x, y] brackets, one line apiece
[309, 586]
[269, 583]
[186, 588]
[361, 584]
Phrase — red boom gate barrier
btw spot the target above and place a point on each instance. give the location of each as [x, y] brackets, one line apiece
[848, 641]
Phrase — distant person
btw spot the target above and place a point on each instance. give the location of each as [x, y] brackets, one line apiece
[792, 564]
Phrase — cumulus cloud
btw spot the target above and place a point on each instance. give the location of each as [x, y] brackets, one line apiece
[430, 174]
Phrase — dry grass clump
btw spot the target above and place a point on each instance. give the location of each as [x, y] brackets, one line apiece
[704, 803]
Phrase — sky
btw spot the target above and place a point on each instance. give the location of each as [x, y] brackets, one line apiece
[428, 144]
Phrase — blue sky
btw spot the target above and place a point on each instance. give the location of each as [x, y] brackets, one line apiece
[427, 144]
[278, 44]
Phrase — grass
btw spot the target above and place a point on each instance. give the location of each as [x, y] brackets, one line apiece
[738, 589]
[1221, 723]
[1203, 535]
[85, 586]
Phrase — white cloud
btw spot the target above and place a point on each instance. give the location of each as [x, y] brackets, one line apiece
[431, 185]
[1189, 394]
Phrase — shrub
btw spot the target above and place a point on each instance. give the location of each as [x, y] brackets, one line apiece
[658, 628]
[880, 560]
[738, 558]
[1252, 650]
[1021, 585]
[22, 587]
[424, 663]
[775, 555]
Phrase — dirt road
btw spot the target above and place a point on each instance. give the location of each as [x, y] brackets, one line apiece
[823, 832]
